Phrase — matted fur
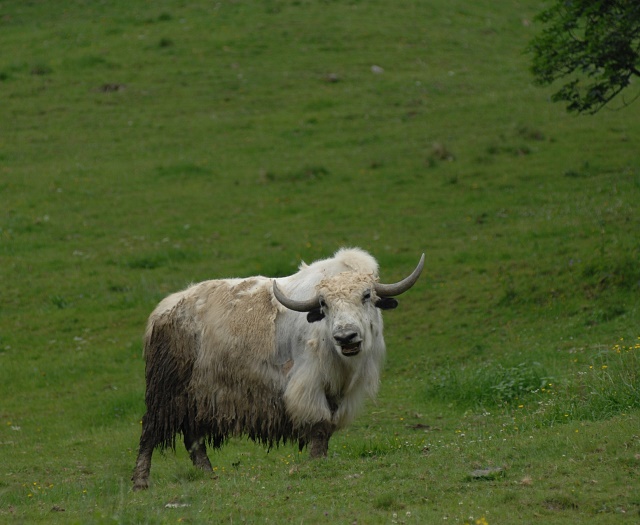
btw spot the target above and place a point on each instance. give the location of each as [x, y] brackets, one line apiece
[170, 353]
[225, 358]
[210, 359]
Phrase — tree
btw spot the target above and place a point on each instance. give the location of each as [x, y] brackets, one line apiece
[592, 45]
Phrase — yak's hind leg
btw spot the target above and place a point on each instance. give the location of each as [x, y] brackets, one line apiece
[196, 448]
[140, 476]
[170, 347]
[319, 439]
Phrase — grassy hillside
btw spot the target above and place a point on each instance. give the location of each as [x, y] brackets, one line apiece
[147, 145]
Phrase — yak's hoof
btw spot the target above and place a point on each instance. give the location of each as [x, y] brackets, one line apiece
[206, 466]
[200, 460]
[140, 484]
[319, 449]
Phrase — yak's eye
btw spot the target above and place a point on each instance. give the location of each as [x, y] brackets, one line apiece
[366, 296]
[323, 303]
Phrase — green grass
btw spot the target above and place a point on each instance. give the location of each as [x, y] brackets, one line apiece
[145, 146]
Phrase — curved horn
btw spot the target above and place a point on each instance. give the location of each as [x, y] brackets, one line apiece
[292, 304]
[391, 290]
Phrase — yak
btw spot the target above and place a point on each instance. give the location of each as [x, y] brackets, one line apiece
[232, 357]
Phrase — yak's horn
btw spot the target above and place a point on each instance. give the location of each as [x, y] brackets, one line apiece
[292, 304]
[391, 290]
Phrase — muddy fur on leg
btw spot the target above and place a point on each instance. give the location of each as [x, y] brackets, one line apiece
[170, 355]
[196, 448]
[319, 439]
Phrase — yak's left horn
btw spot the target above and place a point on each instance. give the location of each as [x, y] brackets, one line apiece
[292, 304]
[391, 290]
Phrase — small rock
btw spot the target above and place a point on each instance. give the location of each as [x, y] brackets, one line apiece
[486, 474]
[176, 505]
[111, 88]
[332, 78]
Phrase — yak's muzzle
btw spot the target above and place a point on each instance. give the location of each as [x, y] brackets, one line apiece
[349, 340]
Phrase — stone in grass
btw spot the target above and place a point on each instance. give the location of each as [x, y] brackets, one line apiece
[486, 474]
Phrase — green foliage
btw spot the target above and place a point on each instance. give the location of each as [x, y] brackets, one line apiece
[488, 384]
[606, 383]
[592, 46]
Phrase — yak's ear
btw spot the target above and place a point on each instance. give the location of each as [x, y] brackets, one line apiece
[386, 303]
[315, 315]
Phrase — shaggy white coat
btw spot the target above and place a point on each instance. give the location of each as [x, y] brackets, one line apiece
[253, 352]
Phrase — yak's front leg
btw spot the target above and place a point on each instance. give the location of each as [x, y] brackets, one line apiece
[319, 439]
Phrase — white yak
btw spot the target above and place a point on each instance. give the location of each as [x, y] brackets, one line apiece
[234, 357]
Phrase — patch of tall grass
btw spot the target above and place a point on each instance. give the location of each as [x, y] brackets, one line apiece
[488, 384]
[602, 385]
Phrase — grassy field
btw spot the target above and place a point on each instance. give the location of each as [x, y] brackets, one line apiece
[147, 145]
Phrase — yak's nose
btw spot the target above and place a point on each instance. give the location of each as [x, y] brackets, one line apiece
[346, 335]
[348, 338]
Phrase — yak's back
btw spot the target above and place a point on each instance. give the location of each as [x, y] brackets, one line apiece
[344, 260]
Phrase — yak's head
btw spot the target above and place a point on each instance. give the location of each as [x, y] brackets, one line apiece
[349, 303]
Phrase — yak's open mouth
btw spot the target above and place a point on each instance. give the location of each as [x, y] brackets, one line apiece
[351, 349]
